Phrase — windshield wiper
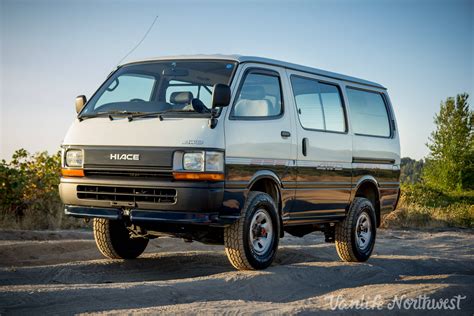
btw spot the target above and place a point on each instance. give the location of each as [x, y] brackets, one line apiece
[155, 114]
[110, 114]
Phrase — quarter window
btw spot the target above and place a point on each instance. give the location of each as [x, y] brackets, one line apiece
[368, 113]
[260, 96]
[319, 105]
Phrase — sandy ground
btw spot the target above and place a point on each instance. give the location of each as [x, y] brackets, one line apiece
[63, 273]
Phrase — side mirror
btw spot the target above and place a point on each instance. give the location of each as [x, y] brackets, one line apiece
[80, 102]
[220, 95]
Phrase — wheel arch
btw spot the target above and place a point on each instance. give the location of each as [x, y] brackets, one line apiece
[368, 187]
[268, 182]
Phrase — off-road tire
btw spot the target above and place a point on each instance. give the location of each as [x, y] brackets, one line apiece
[236, 236]
[346, 244]
[113, 240]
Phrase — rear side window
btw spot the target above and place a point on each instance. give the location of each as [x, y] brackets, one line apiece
[319, 105]
[259, 97]
[332, 105]
[368, 113]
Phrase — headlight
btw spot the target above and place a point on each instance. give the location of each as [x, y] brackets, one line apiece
[199, 161]
[193, 161]
[214, 161]
[74, 158]
[198, 166]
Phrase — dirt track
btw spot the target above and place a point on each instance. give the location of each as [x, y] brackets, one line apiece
[63, 273]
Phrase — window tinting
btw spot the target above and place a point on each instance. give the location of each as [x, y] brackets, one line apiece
[319, 105]
[368, 113]
[260, 96]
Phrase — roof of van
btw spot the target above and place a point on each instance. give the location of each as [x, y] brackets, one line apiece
[268, 61]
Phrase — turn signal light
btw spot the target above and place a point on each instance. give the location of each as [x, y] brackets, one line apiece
[198, 176]
[72, 172]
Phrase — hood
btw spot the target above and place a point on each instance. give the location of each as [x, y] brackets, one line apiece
[170, 132]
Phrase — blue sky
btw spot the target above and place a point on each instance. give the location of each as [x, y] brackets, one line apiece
[51, 51]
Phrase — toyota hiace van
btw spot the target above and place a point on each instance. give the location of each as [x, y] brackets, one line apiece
[232, 150]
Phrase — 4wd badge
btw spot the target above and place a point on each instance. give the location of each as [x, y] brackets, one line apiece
[193, 142]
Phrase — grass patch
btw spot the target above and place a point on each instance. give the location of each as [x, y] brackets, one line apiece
[424, 207]
[33, 218]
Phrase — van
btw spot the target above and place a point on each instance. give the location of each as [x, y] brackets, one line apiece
[231, 150]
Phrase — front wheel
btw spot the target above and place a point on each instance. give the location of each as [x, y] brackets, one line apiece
[355, 236]
[114, 240]
[252, 241]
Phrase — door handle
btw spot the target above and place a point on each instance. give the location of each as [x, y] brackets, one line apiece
[285, 134]
[304, 146]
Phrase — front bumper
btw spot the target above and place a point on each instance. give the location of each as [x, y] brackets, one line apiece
[190, 196]
[195, 203]
[138, 216]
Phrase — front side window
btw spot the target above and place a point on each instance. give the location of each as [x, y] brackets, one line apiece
[319, 105]
[368, 113]
[259, 96]
[163, 86]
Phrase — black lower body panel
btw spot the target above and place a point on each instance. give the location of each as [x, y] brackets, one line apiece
[138, 216]
[91, 212]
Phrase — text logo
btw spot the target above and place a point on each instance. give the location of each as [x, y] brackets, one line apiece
[124, 157]
[193, 142]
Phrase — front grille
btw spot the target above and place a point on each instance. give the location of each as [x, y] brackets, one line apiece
[129, 174]
[126, 194]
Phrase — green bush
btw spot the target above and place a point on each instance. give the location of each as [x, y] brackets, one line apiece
[29, 197]
[424, 206]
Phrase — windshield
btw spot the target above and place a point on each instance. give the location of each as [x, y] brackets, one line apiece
[167, 86]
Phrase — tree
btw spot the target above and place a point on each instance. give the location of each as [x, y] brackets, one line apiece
[410, 170]
[450, 164]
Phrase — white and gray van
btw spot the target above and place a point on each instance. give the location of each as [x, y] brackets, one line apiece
[232, 150]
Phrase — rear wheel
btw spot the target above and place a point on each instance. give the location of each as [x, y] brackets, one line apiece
[252, 241]
[355, 236]
[114, 240]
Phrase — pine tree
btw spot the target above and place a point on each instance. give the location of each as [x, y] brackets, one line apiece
[450, 165]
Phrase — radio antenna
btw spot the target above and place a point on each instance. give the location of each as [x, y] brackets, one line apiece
[141, 41]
